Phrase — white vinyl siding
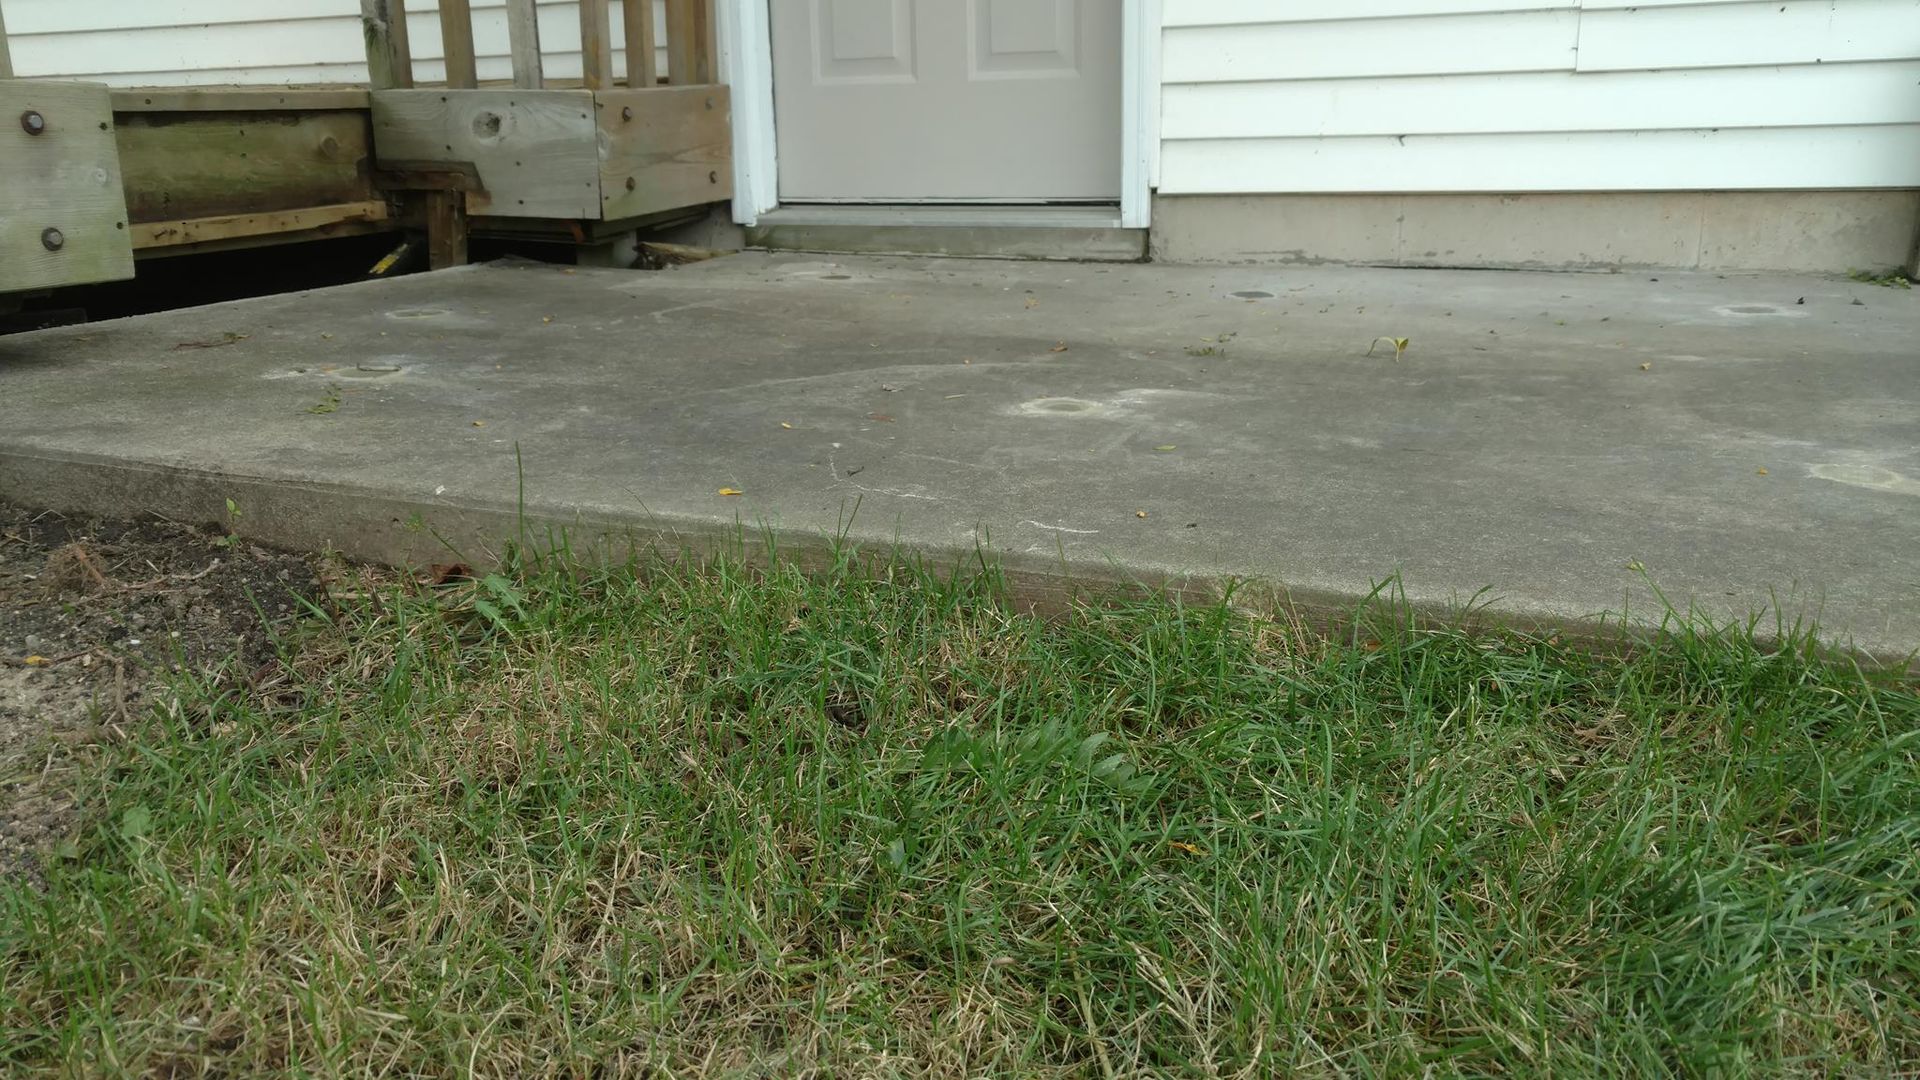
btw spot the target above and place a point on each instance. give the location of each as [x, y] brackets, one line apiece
[266, 42]
[1322, 96]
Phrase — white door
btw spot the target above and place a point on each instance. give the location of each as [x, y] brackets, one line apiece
[947, 100]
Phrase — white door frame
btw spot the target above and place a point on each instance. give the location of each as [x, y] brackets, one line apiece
[746, 63]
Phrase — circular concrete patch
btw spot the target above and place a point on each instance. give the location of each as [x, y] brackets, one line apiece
[1059, 406]
[1749, 311]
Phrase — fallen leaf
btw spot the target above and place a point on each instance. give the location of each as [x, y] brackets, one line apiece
[1032, 302]
[1191, 849]
[889, 388]
[881, 417]
[1167, 449]
[1646, 367]
[1763, 472]
[1636, 566]
[786, 425]
[479, 423]
[731, 491]
[1059, 347]
[544, 319]
[1140, 513]
[37, 661]
[324, 336]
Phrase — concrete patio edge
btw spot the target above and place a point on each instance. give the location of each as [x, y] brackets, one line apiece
[369, 525]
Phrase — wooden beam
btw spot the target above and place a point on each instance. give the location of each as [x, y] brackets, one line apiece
[663, 149]
[690, 51]
[204, 164]
[157, 234]
[389, 60]
[241, 99]
[63, 212]
[536, 152]
[456, 32]
[596, 45]
[446, 229]
[523, 34]
[641, 65]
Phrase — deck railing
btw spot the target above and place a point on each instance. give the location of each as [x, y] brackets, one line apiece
[691, 57]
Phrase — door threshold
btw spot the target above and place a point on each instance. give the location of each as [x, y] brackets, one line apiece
[934, 215]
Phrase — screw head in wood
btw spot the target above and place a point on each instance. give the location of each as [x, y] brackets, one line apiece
[626, 112]
[632, 183]
[33, 123]
[52, 239]
[713, 177]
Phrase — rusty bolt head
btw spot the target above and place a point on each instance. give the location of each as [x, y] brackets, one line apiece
[626, 112]
[33, 123]
[52, 239]
[632, 183]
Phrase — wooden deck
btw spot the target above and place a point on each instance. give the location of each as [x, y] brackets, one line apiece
[206, 169]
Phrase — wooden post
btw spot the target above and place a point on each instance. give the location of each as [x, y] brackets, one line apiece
[389, 61]
[456, 35]
[641, 71]
[446, 229]
[523, 34]
[690, 54]
[596, 46]
[6, 61]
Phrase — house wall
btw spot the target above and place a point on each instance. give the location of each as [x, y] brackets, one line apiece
[249, 42]
[1476, 132]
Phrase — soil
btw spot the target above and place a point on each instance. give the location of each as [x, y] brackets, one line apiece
[94, 614]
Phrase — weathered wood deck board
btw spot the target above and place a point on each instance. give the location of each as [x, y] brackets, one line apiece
[63, 217]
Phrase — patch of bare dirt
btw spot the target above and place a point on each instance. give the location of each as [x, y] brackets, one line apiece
[92, 614]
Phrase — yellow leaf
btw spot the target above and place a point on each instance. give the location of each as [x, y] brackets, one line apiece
[1190, 849]
[1140, 513]
[38, 661]
[786, 425]
[1646, 367]
[731, 491]
[1763, 472]
[479, 423]
[544, 319]
[1169, 448]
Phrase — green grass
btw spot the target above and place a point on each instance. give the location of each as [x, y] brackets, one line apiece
[706, 822]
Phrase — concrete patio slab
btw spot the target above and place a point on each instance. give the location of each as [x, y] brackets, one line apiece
[1565, 442]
